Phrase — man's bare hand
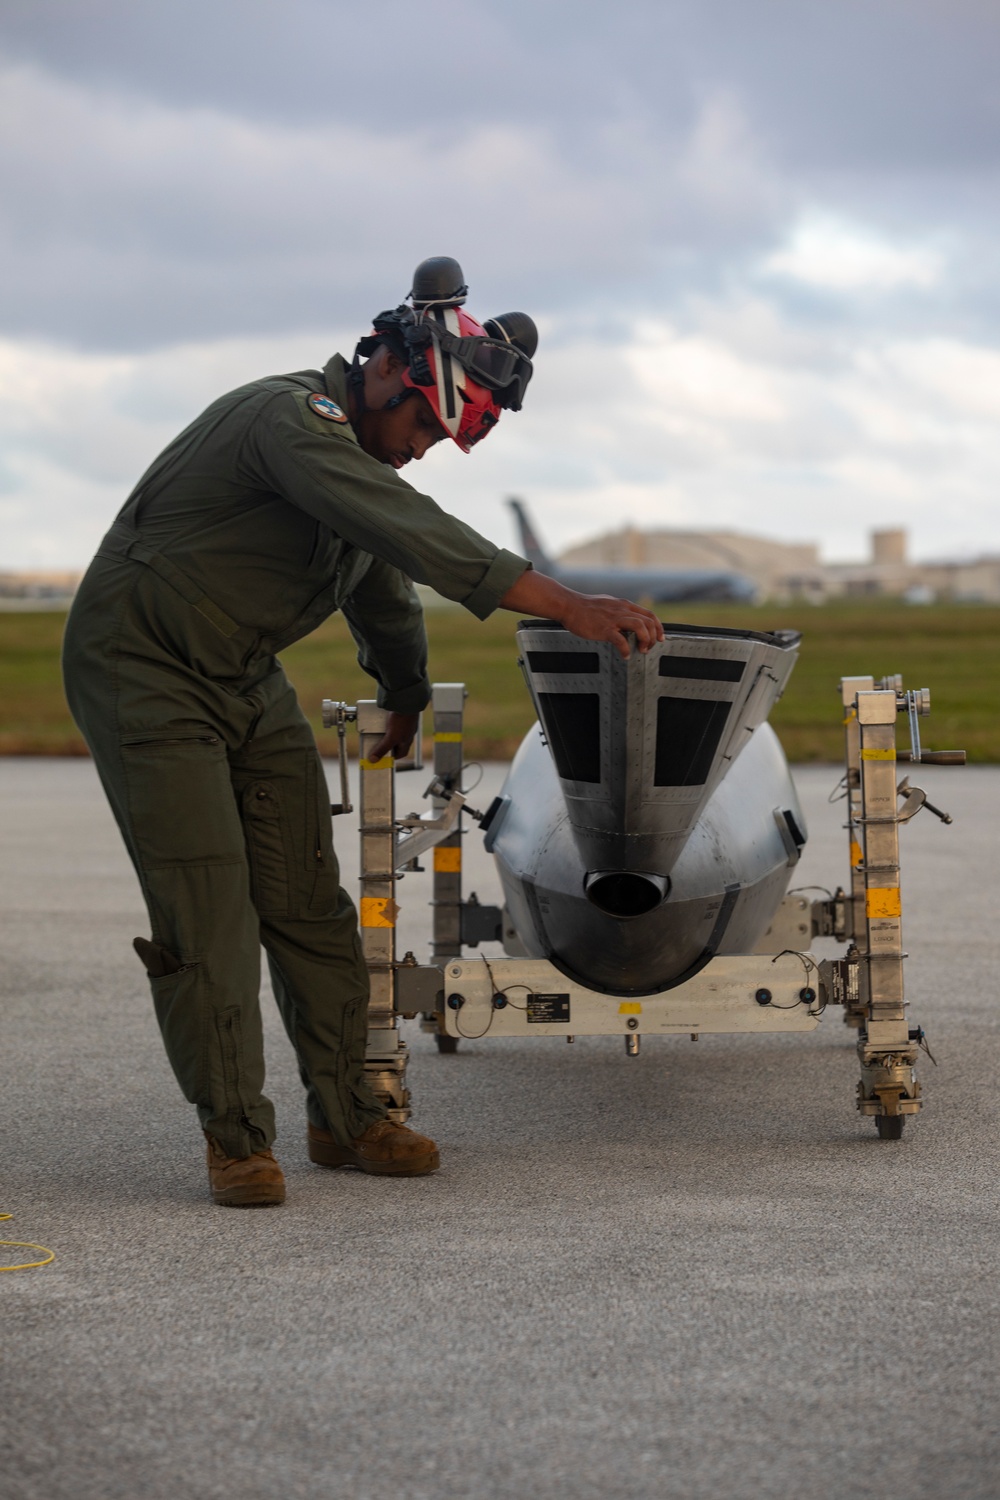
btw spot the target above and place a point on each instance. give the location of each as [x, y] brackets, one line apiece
[594, 617]
[398, 737]
[601, 617]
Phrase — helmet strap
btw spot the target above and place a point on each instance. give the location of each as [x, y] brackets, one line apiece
[356, 386]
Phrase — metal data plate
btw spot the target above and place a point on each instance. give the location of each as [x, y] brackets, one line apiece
[719, 999]
[547, 1008]
[841, 979]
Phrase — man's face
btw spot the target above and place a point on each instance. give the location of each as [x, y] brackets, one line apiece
[404, 432]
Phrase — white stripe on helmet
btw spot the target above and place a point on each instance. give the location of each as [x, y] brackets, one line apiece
[448, 372]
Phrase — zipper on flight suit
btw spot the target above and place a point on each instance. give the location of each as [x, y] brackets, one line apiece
[231, 1040]
[256, 718]
[311, 796]
[174, 739]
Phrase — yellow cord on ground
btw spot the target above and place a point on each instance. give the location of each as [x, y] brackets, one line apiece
[28, 1265]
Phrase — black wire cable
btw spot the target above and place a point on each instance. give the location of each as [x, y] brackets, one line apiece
[810, 967]
[470, 1036]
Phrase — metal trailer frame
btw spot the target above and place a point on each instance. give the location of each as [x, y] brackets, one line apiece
[781, 987]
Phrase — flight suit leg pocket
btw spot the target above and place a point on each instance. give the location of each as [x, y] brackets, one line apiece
[180, 800]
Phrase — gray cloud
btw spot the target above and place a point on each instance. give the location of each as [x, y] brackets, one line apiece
[799, 197]
[131, 224]
[246, 167]
[871, 82]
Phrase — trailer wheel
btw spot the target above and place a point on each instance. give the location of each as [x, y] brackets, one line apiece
[890, 1127]
[446, 1043]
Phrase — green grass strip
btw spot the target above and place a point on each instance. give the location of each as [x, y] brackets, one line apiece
[949, 648]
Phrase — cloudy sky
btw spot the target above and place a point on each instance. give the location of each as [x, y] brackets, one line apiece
[761, 239]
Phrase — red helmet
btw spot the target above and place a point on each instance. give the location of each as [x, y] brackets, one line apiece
[465, 409]
[467, 372]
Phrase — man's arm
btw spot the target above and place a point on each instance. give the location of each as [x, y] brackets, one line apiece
[319, 467]
[387, 622]
[386, 619]
[595, 617]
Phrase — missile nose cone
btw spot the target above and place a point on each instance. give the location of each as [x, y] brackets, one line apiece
[625, 893]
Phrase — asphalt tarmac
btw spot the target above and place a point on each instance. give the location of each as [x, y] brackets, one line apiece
[696, 1273]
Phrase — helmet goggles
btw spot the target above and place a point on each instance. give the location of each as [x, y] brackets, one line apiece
[500, 367]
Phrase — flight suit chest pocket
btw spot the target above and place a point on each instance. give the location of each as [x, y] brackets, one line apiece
[267, 848]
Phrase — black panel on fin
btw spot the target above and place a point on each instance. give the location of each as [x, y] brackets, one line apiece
[564, 661]
[703, 668]
[573, 729]
[688, 731]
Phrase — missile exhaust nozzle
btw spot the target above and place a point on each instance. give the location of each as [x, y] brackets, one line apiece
[625, 893]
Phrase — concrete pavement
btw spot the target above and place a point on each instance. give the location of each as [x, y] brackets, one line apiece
[697, 1273]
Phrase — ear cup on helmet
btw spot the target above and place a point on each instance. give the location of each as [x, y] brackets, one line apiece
[515, 328]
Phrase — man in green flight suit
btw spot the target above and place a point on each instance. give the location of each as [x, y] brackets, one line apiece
[275, 507]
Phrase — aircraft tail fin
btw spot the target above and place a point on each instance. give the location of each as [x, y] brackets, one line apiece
[531, 547]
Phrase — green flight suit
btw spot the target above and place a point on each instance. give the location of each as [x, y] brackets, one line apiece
[255, 524]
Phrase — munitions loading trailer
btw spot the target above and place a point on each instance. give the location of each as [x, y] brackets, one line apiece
[779, 987]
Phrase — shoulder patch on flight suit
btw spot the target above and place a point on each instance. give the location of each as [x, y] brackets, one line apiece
[324, 407]
[321, 423]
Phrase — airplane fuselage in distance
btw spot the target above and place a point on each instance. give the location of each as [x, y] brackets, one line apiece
[661, 585]
[658, 584]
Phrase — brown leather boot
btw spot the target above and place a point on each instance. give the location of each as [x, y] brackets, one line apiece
[243, 1181]
[387, 1149]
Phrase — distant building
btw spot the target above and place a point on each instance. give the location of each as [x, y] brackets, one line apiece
[781, 570]
[976, 581]
[38, 590]
[972, 580]
[793, 570]
[889, 546]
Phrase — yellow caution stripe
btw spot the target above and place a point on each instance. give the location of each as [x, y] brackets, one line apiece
[448, 739]
[385, 764]
[378, 911]
[883, 901]
[447, 861]
[879, 754]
